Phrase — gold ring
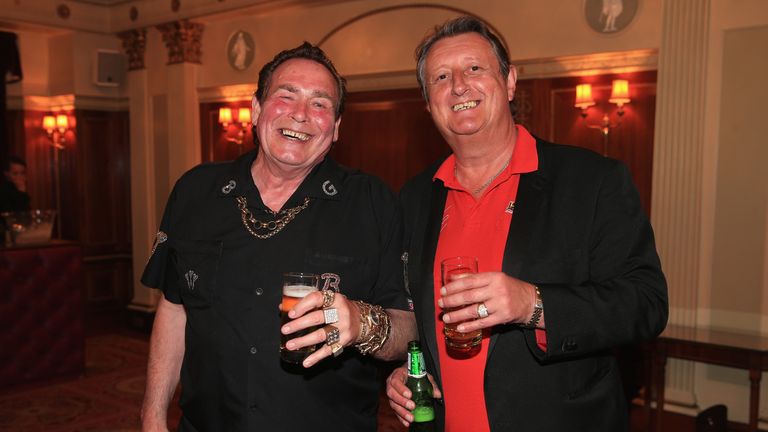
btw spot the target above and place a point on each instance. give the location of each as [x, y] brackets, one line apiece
[331, 334]
[482, 311]
[328, 296]
[336, 349]
[331, 315]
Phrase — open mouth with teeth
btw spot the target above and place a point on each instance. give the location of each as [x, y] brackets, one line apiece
[464, 106]
[295, 135]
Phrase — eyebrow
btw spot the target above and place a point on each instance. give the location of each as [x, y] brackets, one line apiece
[315, 93]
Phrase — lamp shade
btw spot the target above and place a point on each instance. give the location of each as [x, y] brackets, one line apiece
[225, 116]
[244, 116]
[62, 122]
[584, 96]
[49, 123]
[620, 92]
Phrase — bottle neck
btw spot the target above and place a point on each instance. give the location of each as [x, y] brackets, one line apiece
[416, 367]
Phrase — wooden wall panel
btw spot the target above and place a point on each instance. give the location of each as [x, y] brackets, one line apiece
[388, 134]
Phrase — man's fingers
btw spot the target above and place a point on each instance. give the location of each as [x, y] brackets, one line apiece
[311, 301]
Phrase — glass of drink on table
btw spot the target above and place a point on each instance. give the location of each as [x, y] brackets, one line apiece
[295, 287]
[458, 344]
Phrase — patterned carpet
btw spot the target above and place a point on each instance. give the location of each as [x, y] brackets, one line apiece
[107, 398]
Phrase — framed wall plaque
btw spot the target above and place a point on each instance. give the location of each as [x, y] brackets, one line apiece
[240, 50]
[609, 16]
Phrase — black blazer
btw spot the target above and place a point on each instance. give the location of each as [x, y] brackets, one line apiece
[578, 233]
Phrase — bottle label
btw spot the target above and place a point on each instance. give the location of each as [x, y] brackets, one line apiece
[416, 368]
[423, 414]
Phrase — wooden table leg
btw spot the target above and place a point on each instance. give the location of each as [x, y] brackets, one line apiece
[661, 365]
[650, 352]
[754, 397]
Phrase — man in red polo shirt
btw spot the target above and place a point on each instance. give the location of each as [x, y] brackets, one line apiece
[567, 265]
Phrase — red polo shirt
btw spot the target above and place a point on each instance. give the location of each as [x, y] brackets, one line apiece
[479, 228]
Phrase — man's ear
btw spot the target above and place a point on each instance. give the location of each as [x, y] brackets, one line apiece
[511, 82]
[255, 110]
[336, 129]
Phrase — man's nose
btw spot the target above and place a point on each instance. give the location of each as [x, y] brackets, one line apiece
[458, 84]
[299, 112]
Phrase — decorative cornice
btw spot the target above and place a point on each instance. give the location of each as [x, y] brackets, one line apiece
[184, 41]
[588, 64]
[230, 93]
[67, 102]
[135, 44]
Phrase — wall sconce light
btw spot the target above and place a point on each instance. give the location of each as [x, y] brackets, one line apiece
[242, 124]
[56, 126]
[619, 97]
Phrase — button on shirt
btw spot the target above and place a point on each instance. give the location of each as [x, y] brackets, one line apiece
[230, 285]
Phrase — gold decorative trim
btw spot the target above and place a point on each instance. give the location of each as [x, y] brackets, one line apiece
[590, 64]
[134, 44]
[184, 41]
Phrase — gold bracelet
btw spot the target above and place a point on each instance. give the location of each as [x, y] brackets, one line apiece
[375, 325]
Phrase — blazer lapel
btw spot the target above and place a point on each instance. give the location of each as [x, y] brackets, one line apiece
[434, 216]
[529, 204]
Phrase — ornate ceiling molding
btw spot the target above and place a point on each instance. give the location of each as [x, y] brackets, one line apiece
[134, 44]
[184, 41]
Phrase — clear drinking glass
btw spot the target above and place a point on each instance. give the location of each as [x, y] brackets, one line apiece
[296, 286]
[458, 344]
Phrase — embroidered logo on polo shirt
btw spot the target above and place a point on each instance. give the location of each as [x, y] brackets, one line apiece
[331, 280]
[329, 188]
[510, 207]
[191, 278]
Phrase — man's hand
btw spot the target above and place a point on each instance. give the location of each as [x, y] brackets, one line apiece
[507, 300]
[400, 396]
[309, 313]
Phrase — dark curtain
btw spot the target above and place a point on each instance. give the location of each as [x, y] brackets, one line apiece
[10, 69]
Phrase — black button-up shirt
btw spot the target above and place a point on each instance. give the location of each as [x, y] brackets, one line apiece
[230, 285]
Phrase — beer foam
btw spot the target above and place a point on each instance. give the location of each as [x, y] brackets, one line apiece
[298, 291]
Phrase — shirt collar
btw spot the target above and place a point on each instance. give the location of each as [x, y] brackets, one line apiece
[325, 181]
[524, 160]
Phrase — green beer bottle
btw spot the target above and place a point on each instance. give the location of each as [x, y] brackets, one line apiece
[421, 390]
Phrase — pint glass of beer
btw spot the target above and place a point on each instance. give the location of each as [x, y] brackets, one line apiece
[458, 344]
[295, 287]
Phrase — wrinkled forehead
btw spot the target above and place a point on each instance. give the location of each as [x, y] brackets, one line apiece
[460, 47]
[302, 74]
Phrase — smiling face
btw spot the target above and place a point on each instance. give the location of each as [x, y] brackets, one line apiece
[468, 96]
[296, 123]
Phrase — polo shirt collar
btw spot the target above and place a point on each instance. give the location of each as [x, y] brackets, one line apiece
[524, 160]
[325, 181]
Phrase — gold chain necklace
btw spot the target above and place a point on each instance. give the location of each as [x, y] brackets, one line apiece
[490, 180]
[272, 227]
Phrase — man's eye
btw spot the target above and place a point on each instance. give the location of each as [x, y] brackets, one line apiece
[441, 77]
[474, 68]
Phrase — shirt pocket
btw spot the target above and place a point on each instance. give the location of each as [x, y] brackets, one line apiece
[196, 263]
[346, 274]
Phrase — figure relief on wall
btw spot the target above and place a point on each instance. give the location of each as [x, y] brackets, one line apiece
[240, 50]
[609, 16]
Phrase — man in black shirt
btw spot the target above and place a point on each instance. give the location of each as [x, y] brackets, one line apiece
[13, 187]
[228, 233]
